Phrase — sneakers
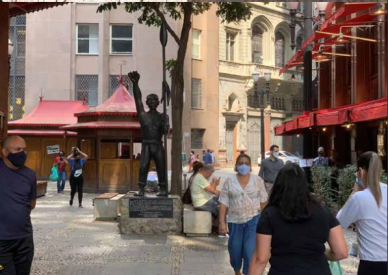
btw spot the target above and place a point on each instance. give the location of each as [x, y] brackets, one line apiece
[80, 206]
[71, 202]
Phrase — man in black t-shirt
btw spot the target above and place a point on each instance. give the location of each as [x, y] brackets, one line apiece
[17, 199]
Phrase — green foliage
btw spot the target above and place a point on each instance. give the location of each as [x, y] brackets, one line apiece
[384, 178]
[320, 176]
[171, 65]
[345, 180]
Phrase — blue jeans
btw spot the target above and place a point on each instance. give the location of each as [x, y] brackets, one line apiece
[242, 243]
[61, 181]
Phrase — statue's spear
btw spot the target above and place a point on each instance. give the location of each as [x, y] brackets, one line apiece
[165, 96]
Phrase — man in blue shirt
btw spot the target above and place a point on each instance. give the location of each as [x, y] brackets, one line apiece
[208, 158]
[17, 199]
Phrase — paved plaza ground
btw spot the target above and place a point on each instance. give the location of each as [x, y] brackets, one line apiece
[68, 241]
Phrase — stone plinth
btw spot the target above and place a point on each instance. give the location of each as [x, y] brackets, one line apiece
[196, 223]
[150, 215]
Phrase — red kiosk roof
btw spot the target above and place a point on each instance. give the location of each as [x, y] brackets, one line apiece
[46, 133]
[121, 103]
[51, 113]
[104, 125]
[366, 111]
[21, 8]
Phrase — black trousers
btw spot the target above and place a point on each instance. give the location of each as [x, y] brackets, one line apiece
[372, 268]
[76, 185]
[152, 152]
[16, 256]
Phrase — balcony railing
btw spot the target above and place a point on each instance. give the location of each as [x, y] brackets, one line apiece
[246, 69]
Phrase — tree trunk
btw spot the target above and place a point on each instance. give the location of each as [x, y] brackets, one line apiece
[177, 87]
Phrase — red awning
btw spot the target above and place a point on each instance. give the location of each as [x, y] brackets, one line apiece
[23, 132]
[370, 110]
[121, 103]
[104, 125]
[346, 9]
[51, 113]
[21, 8]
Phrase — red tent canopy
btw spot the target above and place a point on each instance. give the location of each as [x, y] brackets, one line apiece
[370, 110]
[121, 103]
[51, 113]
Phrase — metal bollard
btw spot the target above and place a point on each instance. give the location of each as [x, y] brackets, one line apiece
[185, 180]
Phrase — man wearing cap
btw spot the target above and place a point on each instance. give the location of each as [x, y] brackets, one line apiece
[321, 160]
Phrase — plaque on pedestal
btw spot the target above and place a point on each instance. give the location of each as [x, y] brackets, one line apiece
[150, 215]
[147, 208]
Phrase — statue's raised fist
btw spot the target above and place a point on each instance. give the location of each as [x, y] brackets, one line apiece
[134, 76]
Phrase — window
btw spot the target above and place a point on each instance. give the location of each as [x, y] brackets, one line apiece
[87, 39]
[278, 103]
[279, 49]
[297, 105]
[197, 138]
[114, 84]
[121, 39]
[196, 93]
[86, 87]
[230, 42]
[196, 44]
[17, 86]
[257, 45]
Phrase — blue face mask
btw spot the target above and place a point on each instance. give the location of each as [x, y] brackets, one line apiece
[359, 182]
[243, 169]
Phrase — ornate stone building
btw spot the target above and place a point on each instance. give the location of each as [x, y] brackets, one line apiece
[261, 44]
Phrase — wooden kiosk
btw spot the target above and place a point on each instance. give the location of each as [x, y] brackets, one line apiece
[107, 134]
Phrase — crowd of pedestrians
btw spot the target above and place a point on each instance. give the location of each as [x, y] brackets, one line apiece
[270, 217]
[273, 217]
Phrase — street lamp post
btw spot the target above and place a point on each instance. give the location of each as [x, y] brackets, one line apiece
[307, 27]
[263, 91]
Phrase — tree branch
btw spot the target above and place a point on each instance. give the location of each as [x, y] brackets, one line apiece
[163, 18]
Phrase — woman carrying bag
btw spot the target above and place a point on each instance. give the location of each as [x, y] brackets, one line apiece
[77, 160]
[367, 208]
[294, 228]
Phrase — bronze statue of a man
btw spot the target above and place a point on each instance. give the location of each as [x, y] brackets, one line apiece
[153, 126]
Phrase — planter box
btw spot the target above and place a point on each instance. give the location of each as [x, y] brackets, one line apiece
[41, 188]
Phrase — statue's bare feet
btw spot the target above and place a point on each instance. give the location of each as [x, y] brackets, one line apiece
[141, 192]
[162, 192]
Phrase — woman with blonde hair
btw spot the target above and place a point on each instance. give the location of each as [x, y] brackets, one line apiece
[367, 208]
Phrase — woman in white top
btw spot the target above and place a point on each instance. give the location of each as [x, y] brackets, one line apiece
[367, 208]
[242, 197]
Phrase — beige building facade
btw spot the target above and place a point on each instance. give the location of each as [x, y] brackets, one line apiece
[261, 44]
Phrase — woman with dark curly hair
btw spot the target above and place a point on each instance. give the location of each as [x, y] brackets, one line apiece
[293, 229]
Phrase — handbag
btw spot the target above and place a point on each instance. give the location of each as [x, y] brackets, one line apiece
[335, 268]
[54, 174]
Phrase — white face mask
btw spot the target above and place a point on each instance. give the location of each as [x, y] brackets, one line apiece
[275, 154]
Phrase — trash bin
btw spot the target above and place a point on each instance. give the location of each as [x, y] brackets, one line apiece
[183, 156]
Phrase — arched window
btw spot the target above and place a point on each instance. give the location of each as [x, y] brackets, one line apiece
[279, 49]
[299, 43]
[257, 45]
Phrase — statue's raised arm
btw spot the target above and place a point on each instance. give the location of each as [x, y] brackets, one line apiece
[134, 77]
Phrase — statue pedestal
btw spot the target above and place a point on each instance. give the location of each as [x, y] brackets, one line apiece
[150, 215]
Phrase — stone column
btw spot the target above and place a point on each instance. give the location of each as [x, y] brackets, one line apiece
[267, 129]
[4, 69]
[353, 136]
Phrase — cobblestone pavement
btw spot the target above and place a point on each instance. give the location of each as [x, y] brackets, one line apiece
[68, 241]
